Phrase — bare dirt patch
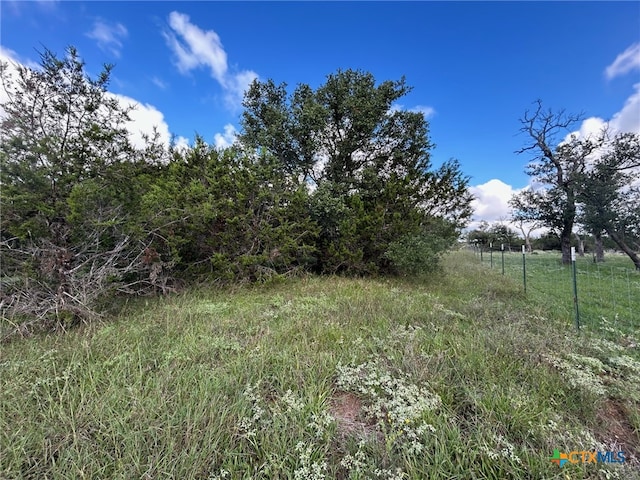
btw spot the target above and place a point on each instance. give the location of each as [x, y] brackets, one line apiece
[346, 408]
[616, 432]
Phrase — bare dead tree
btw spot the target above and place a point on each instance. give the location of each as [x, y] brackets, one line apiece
[525, 228]
[65, 284]
[556, 163]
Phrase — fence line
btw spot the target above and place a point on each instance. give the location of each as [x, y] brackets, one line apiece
[587, 293]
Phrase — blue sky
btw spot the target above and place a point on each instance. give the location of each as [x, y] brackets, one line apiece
[474, 66]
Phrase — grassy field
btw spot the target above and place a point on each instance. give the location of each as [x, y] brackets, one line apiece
[460, 376]
[608, 293]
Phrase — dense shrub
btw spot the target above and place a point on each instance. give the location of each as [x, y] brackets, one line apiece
[330, 181]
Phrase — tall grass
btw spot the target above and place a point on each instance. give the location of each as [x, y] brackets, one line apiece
[456, 376]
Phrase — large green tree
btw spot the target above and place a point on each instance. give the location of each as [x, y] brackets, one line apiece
[68, 178]
[609, 194]
[60, 127]
[367, 162]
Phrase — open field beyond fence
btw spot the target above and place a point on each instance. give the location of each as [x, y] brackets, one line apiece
[608, 293]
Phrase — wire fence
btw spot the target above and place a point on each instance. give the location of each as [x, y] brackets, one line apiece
[604, 294]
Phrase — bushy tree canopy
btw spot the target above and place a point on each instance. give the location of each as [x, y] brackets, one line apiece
[367, 163]
[609, 194]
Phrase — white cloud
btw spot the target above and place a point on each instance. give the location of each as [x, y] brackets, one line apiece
[12, 61]
[109, 37]
[8, 54]
[194, 47]
[491, 205]
[628, 119]
[591, 127]
[236, 86]
[197, 48]
[427, 111]
[625, 62]
[226, 139]
[11, 57]
[143, 119]
[491, 200]
[7, 57]
[181, 143]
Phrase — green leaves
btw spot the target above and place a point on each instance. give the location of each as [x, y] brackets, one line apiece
[609, 195]
[419, 253]
[235, 216]
[71, 182]
[326, 179]
[369, 164]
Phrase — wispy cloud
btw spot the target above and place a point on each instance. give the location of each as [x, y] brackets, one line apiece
[109, 37]
[427, 111]
[194, 47]
[48, 4]
[158, 82]
[625, 62]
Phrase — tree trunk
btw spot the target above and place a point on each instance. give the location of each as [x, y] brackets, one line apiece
[565, 242]
[580, 245]
[568, 217]
[625, 248]
[599, 248]
[527, 239]
[565, 245]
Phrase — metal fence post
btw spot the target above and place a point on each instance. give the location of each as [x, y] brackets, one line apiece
[491, 253]
[524, 269]
[575, 287]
